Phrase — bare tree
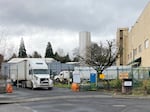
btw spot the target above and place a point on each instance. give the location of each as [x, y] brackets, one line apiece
[3, 43]
[7, 48]
[103, 55]
[75, 54]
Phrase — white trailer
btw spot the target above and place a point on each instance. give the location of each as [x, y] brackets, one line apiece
[84, 72]
[30, 72]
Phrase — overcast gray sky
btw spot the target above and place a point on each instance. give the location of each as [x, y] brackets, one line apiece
[59, 22]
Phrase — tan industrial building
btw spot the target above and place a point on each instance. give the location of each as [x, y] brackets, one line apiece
[136, 41]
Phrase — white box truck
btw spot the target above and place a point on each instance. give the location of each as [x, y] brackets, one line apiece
[30, 72]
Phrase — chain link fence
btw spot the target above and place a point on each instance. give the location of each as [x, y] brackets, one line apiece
[140, 78]
[3, 82]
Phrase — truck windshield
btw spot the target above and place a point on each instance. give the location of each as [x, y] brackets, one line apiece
[40, 71]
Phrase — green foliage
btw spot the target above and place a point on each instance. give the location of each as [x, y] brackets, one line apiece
[137, 83]
[62, 59]
[67, 58]
[22, 51]
[76, 59]
[60, 85]
[49, 51]
[116, 84]
[146, 86]
[36, 55]
[141, 87]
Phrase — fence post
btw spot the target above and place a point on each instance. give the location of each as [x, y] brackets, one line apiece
[117, 73]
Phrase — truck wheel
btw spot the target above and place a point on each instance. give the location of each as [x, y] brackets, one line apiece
[23, 84]
[15, 83]
[32, 86]
[50, 88]
[57, 80]
[65, 81]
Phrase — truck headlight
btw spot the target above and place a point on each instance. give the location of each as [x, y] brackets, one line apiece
[36, 77]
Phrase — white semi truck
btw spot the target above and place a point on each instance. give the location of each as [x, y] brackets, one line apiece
[30, 72]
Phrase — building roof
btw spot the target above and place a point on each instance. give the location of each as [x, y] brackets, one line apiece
[49, 60]
[17, 60]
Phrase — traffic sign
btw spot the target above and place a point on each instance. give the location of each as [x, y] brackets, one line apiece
[123, 75]
[101, 76]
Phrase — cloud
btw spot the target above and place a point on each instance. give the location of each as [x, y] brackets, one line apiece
[40, 21]
[67, 14]
[37, 41]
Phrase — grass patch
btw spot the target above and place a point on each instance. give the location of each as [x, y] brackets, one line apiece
[60, 85]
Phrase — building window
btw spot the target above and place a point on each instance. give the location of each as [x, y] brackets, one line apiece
[135, 52]
[146, 43]
[121, 33]
[128, 56]
[140, 48]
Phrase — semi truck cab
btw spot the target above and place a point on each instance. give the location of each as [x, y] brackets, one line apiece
[29, 72]
[40, 77]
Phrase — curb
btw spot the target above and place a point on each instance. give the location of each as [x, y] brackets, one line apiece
[131, 97]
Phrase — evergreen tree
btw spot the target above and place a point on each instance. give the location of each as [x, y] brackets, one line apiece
[36, 55]
[62, 59]
[49, 51]
[67, 58]
[22, 51]
[76, 59]
[13, 56]
[56, 56]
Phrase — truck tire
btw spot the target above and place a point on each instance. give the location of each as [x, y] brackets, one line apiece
[57, 80]
[50, 88]
[65, 81]
[15, 83]
[23, 84]
[32, 86]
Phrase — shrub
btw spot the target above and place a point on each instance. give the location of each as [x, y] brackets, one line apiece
[146, 86]
[116, 84]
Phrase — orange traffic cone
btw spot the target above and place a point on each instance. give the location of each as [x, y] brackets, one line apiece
[9, 88]
[75, 87]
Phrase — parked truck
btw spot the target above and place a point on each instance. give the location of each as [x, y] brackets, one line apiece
[30, 72]
[64, 77]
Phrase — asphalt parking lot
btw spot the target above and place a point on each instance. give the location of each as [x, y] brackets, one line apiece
[26, 94]
[65, 100]
[29, 95]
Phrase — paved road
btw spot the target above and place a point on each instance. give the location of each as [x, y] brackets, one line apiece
[24, 94]
[64, 100]
[81, 105]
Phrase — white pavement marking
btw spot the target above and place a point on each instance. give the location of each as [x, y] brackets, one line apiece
[119, 106]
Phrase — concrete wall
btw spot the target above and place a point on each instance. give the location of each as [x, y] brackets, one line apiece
[139, 35]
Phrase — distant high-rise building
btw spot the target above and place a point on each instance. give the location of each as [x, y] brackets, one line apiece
[84, 46]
